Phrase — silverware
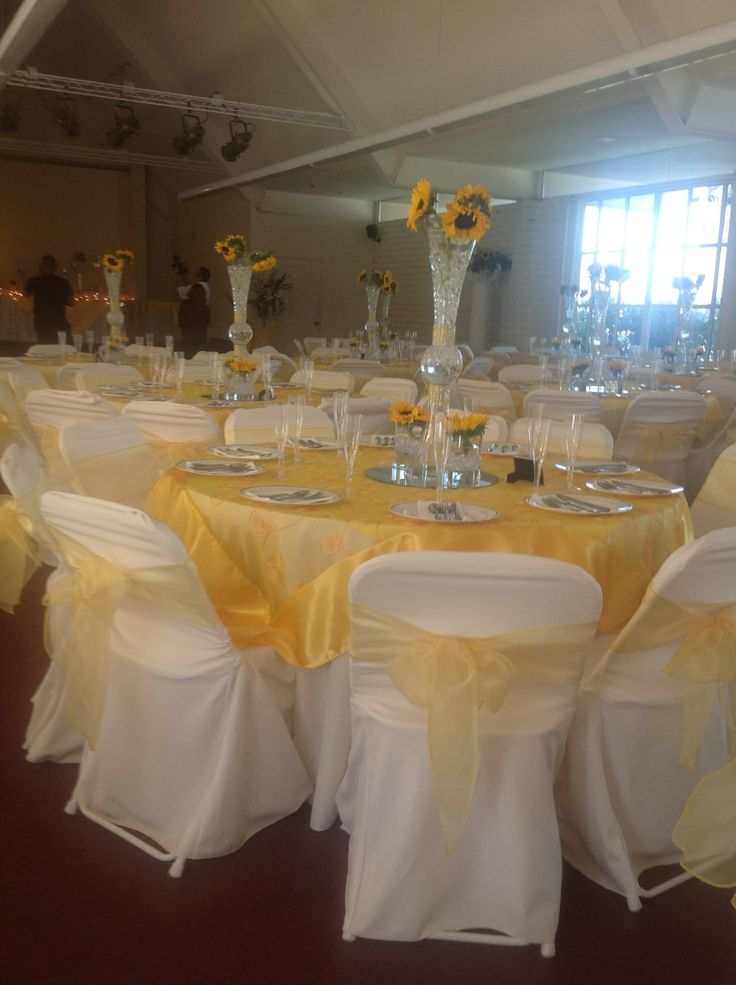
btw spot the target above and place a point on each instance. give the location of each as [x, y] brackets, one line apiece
[580, 505]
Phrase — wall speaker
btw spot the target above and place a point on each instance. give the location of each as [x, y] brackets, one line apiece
[372, 233]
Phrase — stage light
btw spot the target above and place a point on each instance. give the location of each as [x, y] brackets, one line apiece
[241, 134]
[126, 125]
[66, 117]
[192, 133]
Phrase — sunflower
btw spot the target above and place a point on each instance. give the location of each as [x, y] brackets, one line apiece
[362, 274]
[422, 199]
[420, 415]
[465, 222]
[387, 281]
[263, 261]
[402, 412]
[112, 262]
[227, 253]
[125, 255]
[467, 423]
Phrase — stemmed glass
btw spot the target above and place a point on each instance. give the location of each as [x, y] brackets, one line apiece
[90, 339]
[532, 344]
[340, 417]
[61, 337]
[267, 376]
[307, 368]
[169, 343]
[180, 363]
[149, 340]
[159, 365]
[573, 436]
[538, 428]
[353, 430]
[281, 430]
[78, 341]
[296, 423]
[218, 378]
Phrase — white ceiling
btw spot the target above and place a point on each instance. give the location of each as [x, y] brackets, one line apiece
[388, 63]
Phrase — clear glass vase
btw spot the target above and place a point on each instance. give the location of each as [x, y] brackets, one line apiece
[240, 387]
[114, 350]
[463, 460]
[442, 361]
[600, 298]
[408, 446]
[384, 303]
[240, 333]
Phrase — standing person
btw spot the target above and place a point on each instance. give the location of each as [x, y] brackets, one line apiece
[194, 320]
[51, 295]
[200, 276]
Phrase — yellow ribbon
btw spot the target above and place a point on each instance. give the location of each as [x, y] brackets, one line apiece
[452, 677]
[660, 441]
[18, 555]
[88, 594]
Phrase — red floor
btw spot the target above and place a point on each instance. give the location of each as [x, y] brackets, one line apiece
[81, 907]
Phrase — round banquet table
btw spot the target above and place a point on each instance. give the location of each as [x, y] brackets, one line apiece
[278, 575]
[614, 408]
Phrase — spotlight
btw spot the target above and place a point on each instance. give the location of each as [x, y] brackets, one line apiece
[192, 133]
[241, 134]
[66, 117]
[126, 125]
[9, 115]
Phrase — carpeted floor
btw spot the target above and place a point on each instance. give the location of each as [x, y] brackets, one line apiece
[81, 907]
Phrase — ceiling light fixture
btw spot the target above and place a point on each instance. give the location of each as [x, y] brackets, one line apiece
[241, 134]
[127, 125]
[191, 135]
[66, 117]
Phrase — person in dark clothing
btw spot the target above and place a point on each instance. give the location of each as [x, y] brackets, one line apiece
[194, 319]
[51, 294]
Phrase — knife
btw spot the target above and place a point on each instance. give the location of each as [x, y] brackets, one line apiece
[581, 505]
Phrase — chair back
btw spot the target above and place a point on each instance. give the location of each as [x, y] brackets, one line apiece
[361, 370]
[50, 350]
[392, 387]
[558, 406]
[596, 440]
[522, 374]
[312, 342]
[170, 421]
[722, 388]
[375, 411]
[496, 430]
[487, 397]
[66, 376]
[715, 504]
[109, 459]
[144, 351]
[14, 423]
[57, 408]
[503, 348]
[326, 379]
[25, 380]
[256, 426]
[658, 431]
[481, 367]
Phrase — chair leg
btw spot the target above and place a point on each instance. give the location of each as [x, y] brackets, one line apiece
[634, 903]
[71, 806]
[348, 938]
[176, 869]
[662, 887]
[548, 950]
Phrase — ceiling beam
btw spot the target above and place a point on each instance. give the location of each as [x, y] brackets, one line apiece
[38, 150]
[644, 62]
[31, 21]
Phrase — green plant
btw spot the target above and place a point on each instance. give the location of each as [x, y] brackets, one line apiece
[269, 292]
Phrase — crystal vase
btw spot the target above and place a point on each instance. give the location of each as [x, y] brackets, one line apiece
[599, 300]
[442, 361]
[240, 387]
[384, 303]
[115, 348]
[371, 326]
[407, 453]
[463, 460]
[240, 333]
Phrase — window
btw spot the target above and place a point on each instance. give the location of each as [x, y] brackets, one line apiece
[657, 236]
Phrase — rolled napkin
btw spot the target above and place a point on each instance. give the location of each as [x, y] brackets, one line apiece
[428, 509]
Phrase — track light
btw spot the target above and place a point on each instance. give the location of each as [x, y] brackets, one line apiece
[241, 134]
[9, 115]
[192, 133]
[126, 125]
[66, 117]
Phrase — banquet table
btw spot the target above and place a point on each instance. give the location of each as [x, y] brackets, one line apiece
[49, 366]
[278, 574]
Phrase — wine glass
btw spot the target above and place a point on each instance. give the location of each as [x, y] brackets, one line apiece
[353, 430]
[281, 431]
[149, 340]
[538, 428]
[573, 436]
[296, 423]
[169, 343]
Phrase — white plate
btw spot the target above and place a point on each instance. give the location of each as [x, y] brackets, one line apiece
[314, 444]
[578, 504]
[503, 448]
[290, 495]
[421, 510]
[242, 451]
[379, 441]
[205, 467]
[119, 391]
[635, 487]
[601, 468]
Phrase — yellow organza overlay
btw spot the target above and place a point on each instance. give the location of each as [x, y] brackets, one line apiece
[452, 677]
[18, 555]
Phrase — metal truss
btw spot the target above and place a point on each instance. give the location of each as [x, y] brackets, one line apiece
[129, 93]
[12, 147]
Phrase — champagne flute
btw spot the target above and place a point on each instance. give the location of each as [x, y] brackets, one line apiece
[532, 344]
[296, 423]
[307, 368]
[538, 440]
[573, 436]
[61, 336]
[180, 363]
[281, 430]
[78, 341]
[90, 338]
[169, 343]
[353, 430]
[340, 417]
[149, 340]
[267, 375]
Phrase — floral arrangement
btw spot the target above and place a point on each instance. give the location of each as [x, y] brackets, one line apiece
[234, 249]
[383, 279]
[239, 364]
[579, 365]
[467, 427]
[114, 260]
[268, 293]
[489, 261]
[602, 277]
[570, 291]
[411, 418]
[467, 217]
[388, 284]
[687, 283]
[617, 367]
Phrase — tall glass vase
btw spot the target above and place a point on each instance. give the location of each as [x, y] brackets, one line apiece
[240, 333]
[442, 361]
[115, 348]
[384, 303]
[371, 325]
[600, 298]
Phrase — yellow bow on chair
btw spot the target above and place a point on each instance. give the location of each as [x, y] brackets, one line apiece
[88, 595]
[452, 677]
[660, 441]
[18, 554]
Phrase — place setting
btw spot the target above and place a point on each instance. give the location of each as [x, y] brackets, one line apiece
[246, 452]
[208, 467]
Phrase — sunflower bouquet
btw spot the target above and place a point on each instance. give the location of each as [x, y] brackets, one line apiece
[468, 428]
[114, 260]
[410, 418]
[234, 250]
[468, 216]
[240, 365]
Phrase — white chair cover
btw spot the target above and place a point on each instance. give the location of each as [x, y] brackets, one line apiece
[144, 351]
[361, 370]
[191, 751]
[109, 459]
[25, 380]
[560, 405]
[480, 368]
[326, 379]
[256, 426]
[105, 374]
[375, 411]
[523, 374]
[505, 872]
[487, 397]
[173, 422]
[393, 387]
[596, 440]
[715, 504]
[14, 423]
[722, 388]
[658, 431]
[621, 788]
[51, 350]
[496, 430]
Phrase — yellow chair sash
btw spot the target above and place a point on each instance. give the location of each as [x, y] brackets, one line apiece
[660, 441]
[168, 453]
[119, 476]
[719, 488]
[452, 677]
[18, 555]
[90, 593]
